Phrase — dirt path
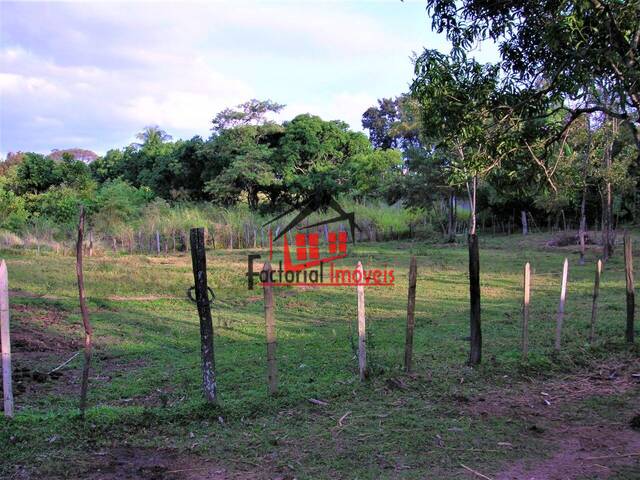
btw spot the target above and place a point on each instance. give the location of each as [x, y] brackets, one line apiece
[587, 443]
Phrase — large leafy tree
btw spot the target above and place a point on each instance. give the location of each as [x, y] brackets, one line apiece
[556, 51]
[252, 112]
[36, 173]
[242, 164]
[313, 154]
[458, 97]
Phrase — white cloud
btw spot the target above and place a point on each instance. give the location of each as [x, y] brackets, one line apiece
[99, 72]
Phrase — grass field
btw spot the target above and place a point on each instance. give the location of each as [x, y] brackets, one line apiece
[147, 419]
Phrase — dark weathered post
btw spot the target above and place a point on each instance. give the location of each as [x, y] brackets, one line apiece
[594, 305]
[270, 326]
[199, 261]
[411, 319]
[563, 298]
[88, 331]
[631, 298]
[6, 342]
[475, 354]
[525, 311]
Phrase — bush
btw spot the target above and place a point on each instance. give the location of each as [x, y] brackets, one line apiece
[13, 211]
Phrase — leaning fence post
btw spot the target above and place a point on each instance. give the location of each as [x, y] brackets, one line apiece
[628, 268]
[411, 319]
[6, 341]
[362, 325]
[525, 311]
[88, 330]
[199, 261]
[270, 325]
[594, 306]
[563, 297]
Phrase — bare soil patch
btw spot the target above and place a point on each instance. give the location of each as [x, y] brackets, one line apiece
[583, 452]
[585, 444]
[148, 464]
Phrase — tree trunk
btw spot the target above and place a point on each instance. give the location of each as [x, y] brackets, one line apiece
[451, 228]
[525, 225]
[607, 207]
[472, 191]
[583, 205]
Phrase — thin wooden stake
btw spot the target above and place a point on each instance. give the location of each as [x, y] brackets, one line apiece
[6, 341]
[158, 242]
[563, 297]
[270, 326]
[411, 320]
[594, 306]
[88, 330]
[525, 311]
[199, 263]
[631, 297]
[362, 327]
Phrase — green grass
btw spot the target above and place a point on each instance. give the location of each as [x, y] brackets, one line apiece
[145, 388]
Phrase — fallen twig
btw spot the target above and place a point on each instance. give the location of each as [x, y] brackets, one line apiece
[315, 401]
[343, 417]
[65, 363]
[475, 472]
[614, 456]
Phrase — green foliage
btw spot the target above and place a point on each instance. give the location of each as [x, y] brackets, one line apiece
[13, 211]
[118, 203]
[36, 173]
[58, 204]
[373, 174]
[556, 52]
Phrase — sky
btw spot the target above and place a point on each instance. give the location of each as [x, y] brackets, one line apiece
[91, 75]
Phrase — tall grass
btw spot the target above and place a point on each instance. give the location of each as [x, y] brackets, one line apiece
[161, 227]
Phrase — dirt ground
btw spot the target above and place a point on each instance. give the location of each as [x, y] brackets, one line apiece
[586, 445]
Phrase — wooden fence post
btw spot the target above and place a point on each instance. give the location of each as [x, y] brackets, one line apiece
[270, 325]
[594, 306]
[6, 341]
[563, 297]
[88, 330]
[158, 242]
[199, 262]
[475, 354]
[362, 326]
[628, 268]
[411, 310]
[525, 311]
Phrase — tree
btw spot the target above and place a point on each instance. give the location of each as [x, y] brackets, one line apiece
[152, 135]
[252, 112]
[245, 155]
[312, 157]
[74, 173]
[457, 97]
[374, 174]
[556, 51]
[394, 123]
[36, 173]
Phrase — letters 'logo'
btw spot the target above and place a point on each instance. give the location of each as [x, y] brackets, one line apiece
[304, 257]
[307, 244]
